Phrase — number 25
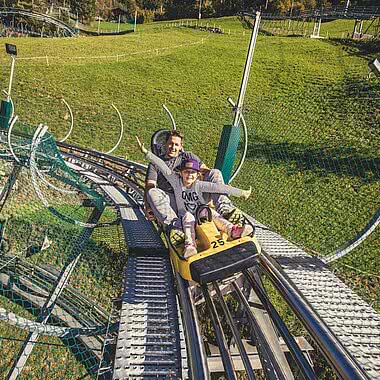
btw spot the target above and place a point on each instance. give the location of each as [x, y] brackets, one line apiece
[216, 244]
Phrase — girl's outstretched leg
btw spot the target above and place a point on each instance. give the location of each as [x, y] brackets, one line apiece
[188, 222]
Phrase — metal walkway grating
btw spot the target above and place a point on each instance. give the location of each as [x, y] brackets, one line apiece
[151, 342]
[148, 345]
[350, 318]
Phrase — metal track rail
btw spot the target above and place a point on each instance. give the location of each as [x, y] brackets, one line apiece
[4, 11]
[327, 13]
[150, 341]
[351, 321]
[358, 346]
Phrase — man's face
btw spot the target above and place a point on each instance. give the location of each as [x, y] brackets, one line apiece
[173, 146]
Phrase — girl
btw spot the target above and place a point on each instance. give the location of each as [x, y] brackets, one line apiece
[188, 191]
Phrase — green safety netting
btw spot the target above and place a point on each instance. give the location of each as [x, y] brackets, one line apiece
[60, 263]
[313, 162]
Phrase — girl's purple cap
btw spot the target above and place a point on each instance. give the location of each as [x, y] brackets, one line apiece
[190, 163]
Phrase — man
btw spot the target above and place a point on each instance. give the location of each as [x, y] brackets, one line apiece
[159, 196]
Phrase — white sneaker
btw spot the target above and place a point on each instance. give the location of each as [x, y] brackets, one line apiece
[190, 250]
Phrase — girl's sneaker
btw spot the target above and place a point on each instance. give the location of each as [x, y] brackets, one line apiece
[237, 232]
[235, 216]
[190, 250]
[176, 236]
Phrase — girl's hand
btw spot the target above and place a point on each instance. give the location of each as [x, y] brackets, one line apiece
[141, 146]
[246, 193]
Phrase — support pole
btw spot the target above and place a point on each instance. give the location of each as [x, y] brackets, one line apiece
[230, 138]
[11, 78]
[6, 105]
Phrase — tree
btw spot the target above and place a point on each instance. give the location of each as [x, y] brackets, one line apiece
[85, 9]
[219, 8]
[37, 5]
[182, 9]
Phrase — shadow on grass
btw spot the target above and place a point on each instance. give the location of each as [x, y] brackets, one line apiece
[342, 160]
[365, 49]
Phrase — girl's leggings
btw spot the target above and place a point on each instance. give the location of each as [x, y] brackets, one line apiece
[188, 223]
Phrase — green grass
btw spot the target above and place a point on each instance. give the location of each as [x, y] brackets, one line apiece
[97, 274]
[106, 26]
[312, 116]
[329, 29]
[284, 104]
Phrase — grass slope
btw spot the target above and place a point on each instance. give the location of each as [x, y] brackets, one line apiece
[313, 118]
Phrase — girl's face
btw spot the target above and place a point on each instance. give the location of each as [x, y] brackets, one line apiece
[189, 176]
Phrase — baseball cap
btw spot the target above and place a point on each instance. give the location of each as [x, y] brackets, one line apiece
[190, 163]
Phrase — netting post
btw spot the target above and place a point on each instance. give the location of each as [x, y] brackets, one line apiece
[228, 146]
[5, 113]
[229, 140]
[6, 105]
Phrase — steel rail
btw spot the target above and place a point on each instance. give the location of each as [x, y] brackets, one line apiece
[52, 330]
[103, 156]
[121, 129]
[245, 149]
[235, 333]
[111, 175]
[295, 351]
[71, 121]
[38, 16]
[11, 125]
[342, 362]
[269, 362]
[38, 282]
[223, 347]
[174, 127]
[196, 350]
[340, 359]
[348, 246]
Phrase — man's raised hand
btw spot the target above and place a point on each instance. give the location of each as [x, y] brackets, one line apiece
[246, 193]
[141, 146]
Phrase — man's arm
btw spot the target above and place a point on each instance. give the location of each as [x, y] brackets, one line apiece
[204, 170]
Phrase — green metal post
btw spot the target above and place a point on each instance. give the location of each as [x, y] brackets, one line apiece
[5, 113]
[229, 141]
[228, 146]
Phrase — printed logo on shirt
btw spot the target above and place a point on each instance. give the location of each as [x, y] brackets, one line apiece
[190, 199]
